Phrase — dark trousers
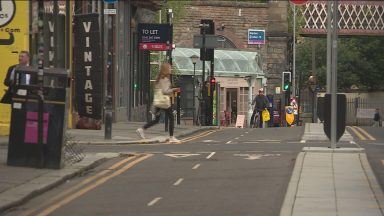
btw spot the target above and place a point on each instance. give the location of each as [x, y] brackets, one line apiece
[260, 117]
[156, 120]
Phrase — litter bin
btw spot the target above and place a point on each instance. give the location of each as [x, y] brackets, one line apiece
[24, 148]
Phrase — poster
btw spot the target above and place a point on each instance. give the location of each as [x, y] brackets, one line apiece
[14, 37]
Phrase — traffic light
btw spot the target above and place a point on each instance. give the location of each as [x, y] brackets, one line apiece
[212, 81]
[208, 55]
[286, 81]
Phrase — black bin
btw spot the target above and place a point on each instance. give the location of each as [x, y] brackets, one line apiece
[24, 149]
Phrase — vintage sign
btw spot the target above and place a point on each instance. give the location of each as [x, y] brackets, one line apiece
[256, 36]
[54, 47]
[14, 37]
[156, 37]
[88, 68]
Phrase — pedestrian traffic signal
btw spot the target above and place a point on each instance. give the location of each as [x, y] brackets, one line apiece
[286, 81]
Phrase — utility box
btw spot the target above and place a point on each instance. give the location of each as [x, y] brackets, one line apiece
[24, 148]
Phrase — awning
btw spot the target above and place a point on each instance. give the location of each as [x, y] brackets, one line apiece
[228, 63]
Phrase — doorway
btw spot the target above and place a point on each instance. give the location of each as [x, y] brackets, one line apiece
[231, 103]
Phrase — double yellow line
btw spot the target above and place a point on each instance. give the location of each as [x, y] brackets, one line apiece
[203, 134]
[85, 186]
[361, 133]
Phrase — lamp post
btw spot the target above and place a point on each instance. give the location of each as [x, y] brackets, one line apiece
[194, 60]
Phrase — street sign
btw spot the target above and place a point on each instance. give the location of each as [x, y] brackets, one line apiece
[298, 2]
[110, 11]
[256, 36]
[211, 41]
[156, 37]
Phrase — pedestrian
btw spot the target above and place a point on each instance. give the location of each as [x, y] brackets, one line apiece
[163, 86]
[376, 118]
[10, 78]
[261, 102]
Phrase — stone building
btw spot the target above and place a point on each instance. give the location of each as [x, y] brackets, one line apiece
[232, 20]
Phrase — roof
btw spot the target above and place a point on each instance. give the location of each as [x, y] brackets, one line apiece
[227, 62]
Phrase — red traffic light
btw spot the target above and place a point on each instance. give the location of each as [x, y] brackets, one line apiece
[213, 80]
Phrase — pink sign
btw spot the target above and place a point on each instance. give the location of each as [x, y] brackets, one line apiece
[31, 128]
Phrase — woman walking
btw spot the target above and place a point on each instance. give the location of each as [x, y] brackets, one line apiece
[161, 101]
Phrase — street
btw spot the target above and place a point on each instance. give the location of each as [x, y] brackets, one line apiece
[227, 172]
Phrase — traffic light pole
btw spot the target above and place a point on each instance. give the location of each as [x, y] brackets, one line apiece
[334, 76]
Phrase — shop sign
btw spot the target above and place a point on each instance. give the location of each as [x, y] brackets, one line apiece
[256, 36]
[156, 37]
[88, 73]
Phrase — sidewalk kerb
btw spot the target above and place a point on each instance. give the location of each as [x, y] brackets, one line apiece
[336, 150]
[290, 195]
[373, 183]
[24, 192]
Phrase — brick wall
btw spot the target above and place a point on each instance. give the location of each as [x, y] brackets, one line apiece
[238, 17]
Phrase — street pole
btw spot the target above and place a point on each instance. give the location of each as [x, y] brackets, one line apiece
[203, 103]
[194, 91]
[40, 79]
[169, 58]
[294, 54]
[329, 46]
[108, 99]
[334, 76]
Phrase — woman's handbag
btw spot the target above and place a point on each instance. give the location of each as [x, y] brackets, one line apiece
[161, 100]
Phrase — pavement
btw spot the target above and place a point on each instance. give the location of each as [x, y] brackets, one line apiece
[315, 132]
[329, 182]
[19, 184]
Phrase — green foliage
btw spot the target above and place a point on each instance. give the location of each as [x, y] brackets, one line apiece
[360, 62]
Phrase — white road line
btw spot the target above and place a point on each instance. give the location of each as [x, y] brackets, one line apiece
[302, 141]
[228, 142]
[212, 153]
[251, 142]
[237, 137]
[178, 182]
[247, 132]
[242, 135]
[154, 201]
[196, 166]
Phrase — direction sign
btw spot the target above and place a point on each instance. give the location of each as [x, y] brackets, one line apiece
[256, 36]
[110, 1]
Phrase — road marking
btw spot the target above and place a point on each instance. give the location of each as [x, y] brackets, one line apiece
[196, 136]
[303, 141]
[196, 166]
[358, 134]
[154, 201]
[268, 140]
[180, 155]
[76, 187]
[237, 137]
[207, 141]
[251, 142]
[255, 156]
[212, 153]
[242, 135]
[369, 136]
[92, 186]
[228, 142]
[246, 132]
[178, 182]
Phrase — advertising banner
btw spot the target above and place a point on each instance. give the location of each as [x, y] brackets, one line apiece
[87, 66]
[14, 35]
[156, 37]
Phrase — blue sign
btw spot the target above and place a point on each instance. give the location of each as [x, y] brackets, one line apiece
[110, 1]
[256, 36]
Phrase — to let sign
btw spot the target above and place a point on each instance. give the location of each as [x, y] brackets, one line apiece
[256, 36]
[156, 37]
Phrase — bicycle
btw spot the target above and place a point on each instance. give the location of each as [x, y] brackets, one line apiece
[256, 121]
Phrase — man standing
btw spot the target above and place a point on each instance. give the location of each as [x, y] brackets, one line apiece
[261, 104]
[10, 78]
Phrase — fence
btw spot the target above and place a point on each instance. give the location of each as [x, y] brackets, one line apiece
[360, 111]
